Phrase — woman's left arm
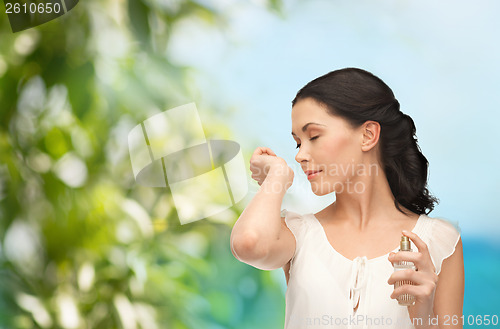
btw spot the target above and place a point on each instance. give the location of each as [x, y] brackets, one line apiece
[449, 297]
[439, 298]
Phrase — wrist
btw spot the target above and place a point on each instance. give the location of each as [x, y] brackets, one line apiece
[276, 181]
[280, 171]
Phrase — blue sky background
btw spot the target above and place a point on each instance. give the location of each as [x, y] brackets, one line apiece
[441, 58]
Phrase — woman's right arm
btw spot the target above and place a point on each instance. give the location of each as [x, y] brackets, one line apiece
[260, 236]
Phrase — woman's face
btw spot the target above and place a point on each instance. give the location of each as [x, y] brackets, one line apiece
[329, 144]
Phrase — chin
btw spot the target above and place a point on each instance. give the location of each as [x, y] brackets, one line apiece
[321, 193]
[321, 190]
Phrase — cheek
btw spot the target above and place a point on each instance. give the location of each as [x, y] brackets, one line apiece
[336, 150]
[339, 155]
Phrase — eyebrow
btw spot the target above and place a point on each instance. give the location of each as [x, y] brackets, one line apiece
[307, 125]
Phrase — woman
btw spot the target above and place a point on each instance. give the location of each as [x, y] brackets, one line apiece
[353, 140]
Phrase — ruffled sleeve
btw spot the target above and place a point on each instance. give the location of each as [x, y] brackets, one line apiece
[445, 236]
[296, 223]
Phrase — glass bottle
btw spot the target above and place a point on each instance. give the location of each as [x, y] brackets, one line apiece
[404, 299]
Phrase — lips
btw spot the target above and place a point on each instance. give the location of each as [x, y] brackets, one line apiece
[312, 173]
[309, 172]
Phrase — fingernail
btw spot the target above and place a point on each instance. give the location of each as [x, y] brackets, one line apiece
[405, 231]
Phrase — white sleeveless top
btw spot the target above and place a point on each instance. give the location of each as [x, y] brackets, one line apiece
[324, 286]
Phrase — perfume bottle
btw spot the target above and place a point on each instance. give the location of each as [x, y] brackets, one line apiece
[405, 299]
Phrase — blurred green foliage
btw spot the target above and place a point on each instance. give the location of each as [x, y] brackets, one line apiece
[82, 246]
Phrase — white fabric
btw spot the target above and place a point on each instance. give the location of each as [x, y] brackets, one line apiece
[324, 287]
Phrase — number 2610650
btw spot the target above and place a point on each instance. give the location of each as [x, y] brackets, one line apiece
[33, 8]
[478, 320]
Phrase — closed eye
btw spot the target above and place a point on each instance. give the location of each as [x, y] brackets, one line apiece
[312, 138]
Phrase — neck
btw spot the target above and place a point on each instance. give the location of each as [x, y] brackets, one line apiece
[365, 200]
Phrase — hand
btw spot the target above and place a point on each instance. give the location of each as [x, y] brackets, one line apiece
[424, 280]
[264, 160]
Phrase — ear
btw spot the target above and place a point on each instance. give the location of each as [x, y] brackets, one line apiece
[370, 133]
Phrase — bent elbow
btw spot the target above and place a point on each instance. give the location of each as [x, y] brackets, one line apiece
[247, 248]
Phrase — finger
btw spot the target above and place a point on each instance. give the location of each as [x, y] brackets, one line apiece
[422, 262]
[426, 260]
[259, 151]
[411, 275]
[420, 292]
[419, 243]
[408, 256]
[401, 290]
[269, 151]
[264, 150]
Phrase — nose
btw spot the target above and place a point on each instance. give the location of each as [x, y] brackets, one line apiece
[302, 155]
